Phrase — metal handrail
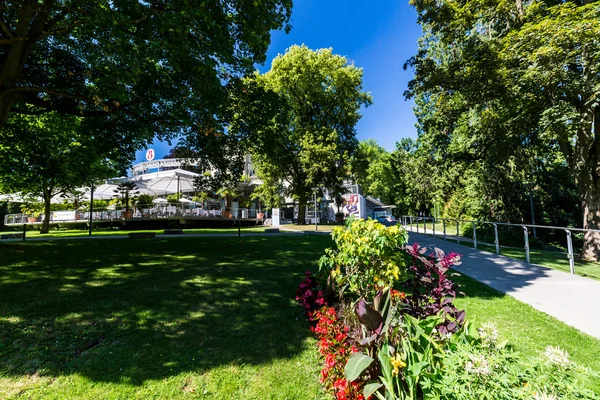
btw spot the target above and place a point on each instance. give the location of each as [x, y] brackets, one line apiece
[409, 219]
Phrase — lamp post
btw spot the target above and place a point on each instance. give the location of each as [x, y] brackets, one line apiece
[530, 185]
[315, 189]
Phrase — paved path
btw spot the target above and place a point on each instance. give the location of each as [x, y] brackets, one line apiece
[570, 298]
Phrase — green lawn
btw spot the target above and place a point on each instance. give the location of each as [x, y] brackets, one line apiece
[527, 330]
[209, 318]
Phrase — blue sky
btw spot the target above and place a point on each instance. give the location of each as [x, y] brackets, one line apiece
[378, 36]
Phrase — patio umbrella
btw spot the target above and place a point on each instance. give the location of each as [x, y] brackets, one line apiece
[160, 200]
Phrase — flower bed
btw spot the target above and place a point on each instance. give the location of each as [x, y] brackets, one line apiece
[380, 342]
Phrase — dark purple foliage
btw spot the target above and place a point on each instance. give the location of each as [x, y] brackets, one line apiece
[431, 289]
[369, 317]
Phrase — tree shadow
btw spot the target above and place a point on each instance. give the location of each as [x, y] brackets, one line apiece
[133, 310]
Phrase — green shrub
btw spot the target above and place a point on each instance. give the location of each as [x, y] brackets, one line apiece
[368, 257]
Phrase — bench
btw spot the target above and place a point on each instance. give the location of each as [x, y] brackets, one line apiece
[272, 230]
[141, 235]
[173, 231]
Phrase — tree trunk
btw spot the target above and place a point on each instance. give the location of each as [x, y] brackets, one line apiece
[589, 186]
[46, 221]
[302, 210]
[591, 220]
[32, 18]
[520, 10]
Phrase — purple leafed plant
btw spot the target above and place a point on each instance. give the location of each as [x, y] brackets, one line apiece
[431, 290]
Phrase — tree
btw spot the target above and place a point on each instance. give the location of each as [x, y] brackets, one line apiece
[152, 66]
[506, 94]
[51, 154]
[299, 120]
[126, 192]
[372, 170]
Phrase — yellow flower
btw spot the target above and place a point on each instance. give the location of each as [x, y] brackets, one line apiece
[397, 363]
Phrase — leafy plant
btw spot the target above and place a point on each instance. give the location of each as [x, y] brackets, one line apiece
[431, 290]
[144, 201]
[126, 192]
[368, 257]
[31, 208]
[484, 368]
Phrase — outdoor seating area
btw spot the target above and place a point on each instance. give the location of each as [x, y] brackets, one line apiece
[138, 214]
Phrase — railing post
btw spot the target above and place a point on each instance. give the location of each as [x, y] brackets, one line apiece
[444, 225]
[474, 234]
[417, 225]
[496, 240]
[457, 232]
[570, 251]
[410, 223]
[433, 219]
[526, 235]
[24, 231]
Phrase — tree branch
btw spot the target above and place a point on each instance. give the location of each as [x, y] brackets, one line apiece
[6, 29]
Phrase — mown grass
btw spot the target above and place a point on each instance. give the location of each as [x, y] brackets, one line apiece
[528, 331]
[208, 318]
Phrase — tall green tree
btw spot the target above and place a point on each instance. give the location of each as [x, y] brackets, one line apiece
[158, 66]
[300, 120]
[51, 155]
[372, 170]
[506, 94]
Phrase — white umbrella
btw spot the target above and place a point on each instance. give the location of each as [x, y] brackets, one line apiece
[160, 200]
[171, 181]
[184, 200]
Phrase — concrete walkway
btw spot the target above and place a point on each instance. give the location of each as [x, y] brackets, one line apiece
[572, 299]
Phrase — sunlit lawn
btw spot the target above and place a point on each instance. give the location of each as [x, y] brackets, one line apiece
[209, 318]
[527, 330]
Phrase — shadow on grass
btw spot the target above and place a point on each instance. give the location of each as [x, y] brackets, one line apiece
[132, 310]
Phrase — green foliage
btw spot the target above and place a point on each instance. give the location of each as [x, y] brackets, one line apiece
[372, 170]
[505, 93]
[127, 193]
[300, 119]
[32, 208]
[127, 64]
[49, 154]
[144, 200]
[367, 257]
[268, 196]
[484, 368]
